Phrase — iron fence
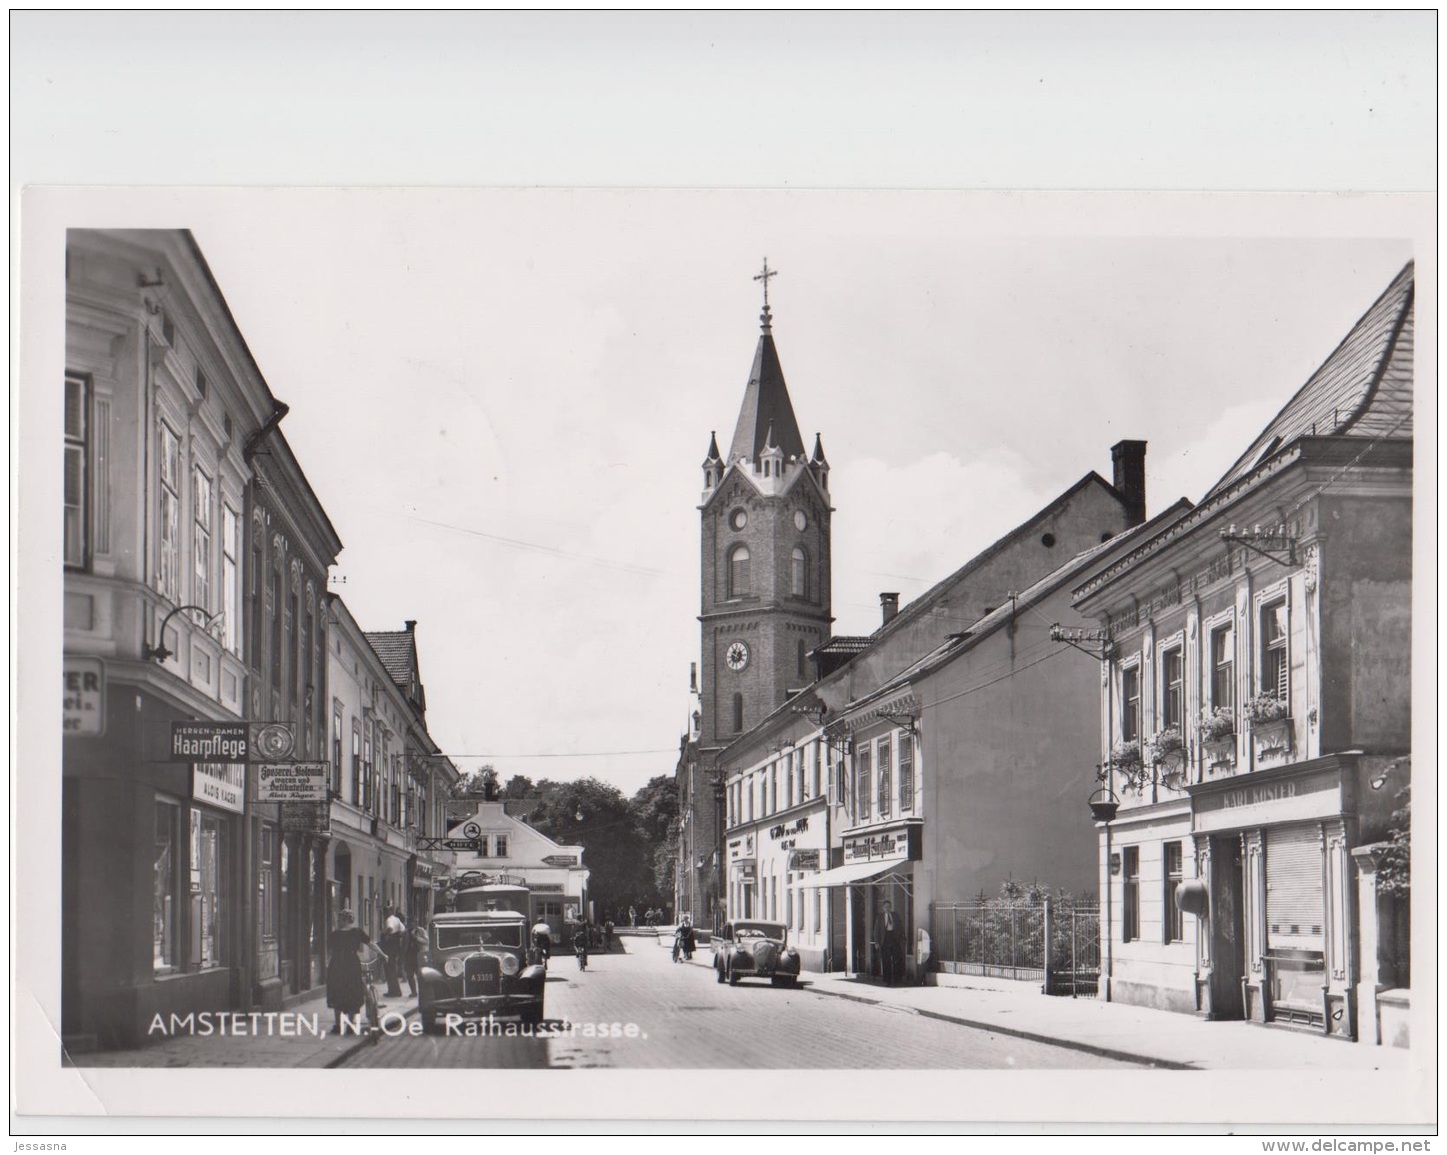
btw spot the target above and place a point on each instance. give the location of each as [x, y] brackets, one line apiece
[1056, 944]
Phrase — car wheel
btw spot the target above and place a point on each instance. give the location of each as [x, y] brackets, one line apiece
[733, 977]
[718, 972]
[533, 1015]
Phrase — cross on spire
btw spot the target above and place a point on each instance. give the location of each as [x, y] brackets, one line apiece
[764, 276]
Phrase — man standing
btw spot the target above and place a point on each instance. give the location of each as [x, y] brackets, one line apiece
[891, 945]
[394, 941]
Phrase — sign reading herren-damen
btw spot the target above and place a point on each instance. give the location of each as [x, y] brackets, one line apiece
[291, 782]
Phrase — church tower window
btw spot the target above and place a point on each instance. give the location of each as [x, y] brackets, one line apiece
[799, 573]
[738, 571]
[738, 712]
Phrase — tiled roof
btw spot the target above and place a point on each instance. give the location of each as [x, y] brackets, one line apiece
[1364, 389]
[846, 644]
[766, 406]
[395, 648]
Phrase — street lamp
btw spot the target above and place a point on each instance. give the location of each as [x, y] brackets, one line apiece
[159, 653]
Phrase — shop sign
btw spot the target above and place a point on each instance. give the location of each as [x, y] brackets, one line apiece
[292, 782]
[306, 818]
[546, 887]
[741, 847]
[804, 860]
[799, 826]
[220, 785]
[560, 860]
[83, 713]
[1238, 805]
[888, 846]
[422, 871]
[210, 741]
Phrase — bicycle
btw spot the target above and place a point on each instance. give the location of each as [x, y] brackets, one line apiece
[374, 970]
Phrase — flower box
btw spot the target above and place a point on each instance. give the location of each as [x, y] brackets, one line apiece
[1166, 744]
[1218, 726]
[1264, 709]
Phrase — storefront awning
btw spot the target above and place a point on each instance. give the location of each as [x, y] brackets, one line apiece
[852, 872]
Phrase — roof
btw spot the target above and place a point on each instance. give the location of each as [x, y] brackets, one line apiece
[766, 412]
[397, 649]
[1363, 389]
[845, 644]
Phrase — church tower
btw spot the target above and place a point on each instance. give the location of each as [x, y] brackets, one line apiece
[766, 569]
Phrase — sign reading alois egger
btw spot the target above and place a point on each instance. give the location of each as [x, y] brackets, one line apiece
[291, 782]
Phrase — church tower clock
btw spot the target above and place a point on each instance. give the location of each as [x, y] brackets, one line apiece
[765, 538]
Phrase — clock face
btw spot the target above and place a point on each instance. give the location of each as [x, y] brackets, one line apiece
[801, 522]
[737, 656]
[738, 519]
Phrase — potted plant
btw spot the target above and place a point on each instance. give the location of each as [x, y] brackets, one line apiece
[1265, 709]
[1218, 725]
[1127, 758]
[1165, 743]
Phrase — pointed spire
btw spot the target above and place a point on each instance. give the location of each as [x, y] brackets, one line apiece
[766, 400]
[713, 457]
[818, 457]
[769, 438]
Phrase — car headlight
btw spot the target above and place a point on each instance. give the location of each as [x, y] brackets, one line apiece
[509, 964]
[452, 967]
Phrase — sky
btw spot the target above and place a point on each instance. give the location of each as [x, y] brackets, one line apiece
[503, 400]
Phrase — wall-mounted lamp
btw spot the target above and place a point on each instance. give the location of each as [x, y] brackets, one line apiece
[159, 652]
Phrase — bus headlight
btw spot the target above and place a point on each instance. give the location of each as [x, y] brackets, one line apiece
[509, 964]
[452, 967]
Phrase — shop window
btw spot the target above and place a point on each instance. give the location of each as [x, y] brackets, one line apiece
[738, 571]
[1130, 704]
[1274, 664]
[266, 892]
[201, 539]
[77, 471]
[1223, 667]
[1173, 877]
[906, 773]
[1172, 687]
[861, 782]
[799, 574]
[166, 911]
[169, 561]
[886, 784]
[1131, 903]
[209, 873]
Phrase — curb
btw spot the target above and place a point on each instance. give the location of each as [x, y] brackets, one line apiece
[363, 1042]
[1013, 1032]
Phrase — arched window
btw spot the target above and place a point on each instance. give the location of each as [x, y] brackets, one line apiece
[799, 573]
[738, 571]
[738, 712]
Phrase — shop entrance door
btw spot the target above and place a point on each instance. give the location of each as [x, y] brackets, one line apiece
[859, 940]
[1228, 962]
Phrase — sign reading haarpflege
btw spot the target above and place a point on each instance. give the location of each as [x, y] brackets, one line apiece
[209, 741]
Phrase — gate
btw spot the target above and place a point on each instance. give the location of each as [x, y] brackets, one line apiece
[1056, 944]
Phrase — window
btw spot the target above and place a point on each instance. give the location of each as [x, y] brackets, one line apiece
[886, 785]
[166, 911]
[1130, 695]
[738, 571]
[861, 791]
[273, 608]
[906, 773]
[169, 582]
[502, 845]
[738, 712]
[357, 781]
[231, 579]
[210, 868]
[818, 756]
[1173, 877]
[1223, 668]
[76, 473]
[1172, 687]
[201, 538]
[266, 895]
[337, 724]
[1131, 904]
[799, 574]
[482, 847]
[793, 798]
[1273, 650]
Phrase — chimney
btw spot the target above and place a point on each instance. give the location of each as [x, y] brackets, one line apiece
[1129, 458]
[411, 626]
[889, 604]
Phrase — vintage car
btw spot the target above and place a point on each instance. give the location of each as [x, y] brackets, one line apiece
[750, 948]
[478, 963]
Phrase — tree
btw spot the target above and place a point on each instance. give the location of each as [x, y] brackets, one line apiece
[519, 786]
[597, 816]
[481, 783]
[656, 805]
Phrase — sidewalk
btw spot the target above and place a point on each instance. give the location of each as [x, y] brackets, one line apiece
[1164, 1039]
[287, 1039]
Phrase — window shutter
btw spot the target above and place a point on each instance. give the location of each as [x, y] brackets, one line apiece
[1294, 892]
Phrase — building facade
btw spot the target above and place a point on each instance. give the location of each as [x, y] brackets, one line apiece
[166, 420]
[1256, 709]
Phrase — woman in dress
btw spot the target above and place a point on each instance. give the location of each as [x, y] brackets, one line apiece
[346, 987]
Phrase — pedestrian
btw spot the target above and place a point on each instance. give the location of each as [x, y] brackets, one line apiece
[416, 943]
[923, 946]
[891, 945]
[346, 985]
[608, 935]
[394, 943]
[633, 916]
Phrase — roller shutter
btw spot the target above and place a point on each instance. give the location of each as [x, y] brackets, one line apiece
[1294, 899]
